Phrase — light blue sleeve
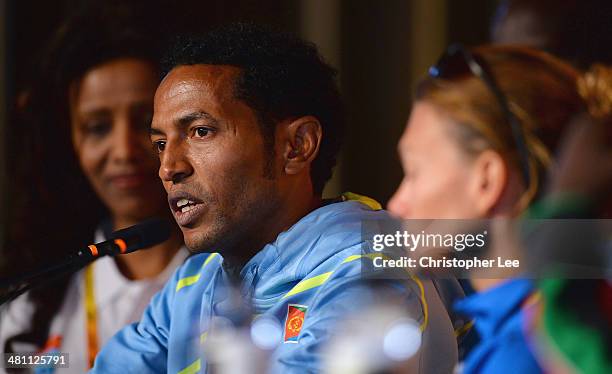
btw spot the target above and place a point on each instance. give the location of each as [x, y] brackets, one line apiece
[142, 347]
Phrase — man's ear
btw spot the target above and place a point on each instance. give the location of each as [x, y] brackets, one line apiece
[489, 181]
[302, 142]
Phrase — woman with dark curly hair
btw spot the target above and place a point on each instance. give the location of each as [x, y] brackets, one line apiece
[86, 167]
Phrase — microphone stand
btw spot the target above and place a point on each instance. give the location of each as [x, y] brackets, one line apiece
[24, 282]
[8, 282]
[143, 235]
[38, 278]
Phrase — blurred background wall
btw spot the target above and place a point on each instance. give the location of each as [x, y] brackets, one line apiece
[381, 48]
[3, 114]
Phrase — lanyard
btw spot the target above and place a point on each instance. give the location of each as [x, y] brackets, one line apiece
[90, 316]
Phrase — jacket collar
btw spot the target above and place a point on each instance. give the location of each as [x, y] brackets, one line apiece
[297, 252]
[493, 308]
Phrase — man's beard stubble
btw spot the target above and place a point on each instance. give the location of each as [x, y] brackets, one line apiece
[238, 230]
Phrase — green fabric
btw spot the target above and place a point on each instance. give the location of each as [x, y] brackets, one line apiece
[558, 205]
[551, 207]
[581, 345]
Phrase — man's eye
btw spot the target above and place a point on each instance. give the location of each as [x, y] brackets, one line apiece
[202, 132]
[159, 145]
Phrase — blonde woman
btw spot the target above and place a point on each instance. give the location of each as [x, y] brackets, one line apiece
[478, 144]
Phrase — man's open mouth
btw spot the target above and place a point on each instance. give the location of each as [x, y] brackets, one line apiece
[186, 208]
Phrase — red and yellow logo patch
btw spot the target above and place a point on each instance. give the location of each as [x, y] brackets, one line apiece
[295, 320]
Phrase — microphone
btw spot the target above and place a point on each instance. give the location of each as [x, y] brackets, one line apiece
[143, 235]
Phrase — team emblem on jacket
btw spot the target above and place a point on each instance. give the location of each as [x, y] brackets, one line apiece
[294, 322]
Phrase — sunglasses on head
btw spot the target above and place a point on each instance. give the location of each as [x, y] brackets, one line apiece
[458, 61]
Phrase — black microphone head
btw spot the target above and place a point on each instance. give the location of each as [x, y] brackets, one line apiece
[144, 235]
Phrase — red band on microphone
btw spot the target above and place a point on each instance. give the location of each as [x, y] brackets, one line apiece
[121, 244]
[93, 249]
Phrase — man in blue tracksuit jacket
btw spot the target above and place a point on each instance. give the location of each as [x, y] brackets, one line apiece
[314, 266]
[247, 123]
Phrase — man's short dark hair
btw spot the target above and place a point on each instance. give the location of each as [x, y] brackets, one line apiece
[282, 77]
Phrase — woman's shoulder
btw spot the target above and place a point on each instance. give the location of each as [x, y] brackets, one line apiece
[16, 313]
[15, 318]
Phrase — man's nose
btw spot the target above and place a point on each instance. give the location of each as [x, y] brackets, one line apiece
[174, 164]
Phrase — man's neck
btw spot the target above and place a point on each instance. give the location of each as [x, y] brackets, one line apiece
[249, 247]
